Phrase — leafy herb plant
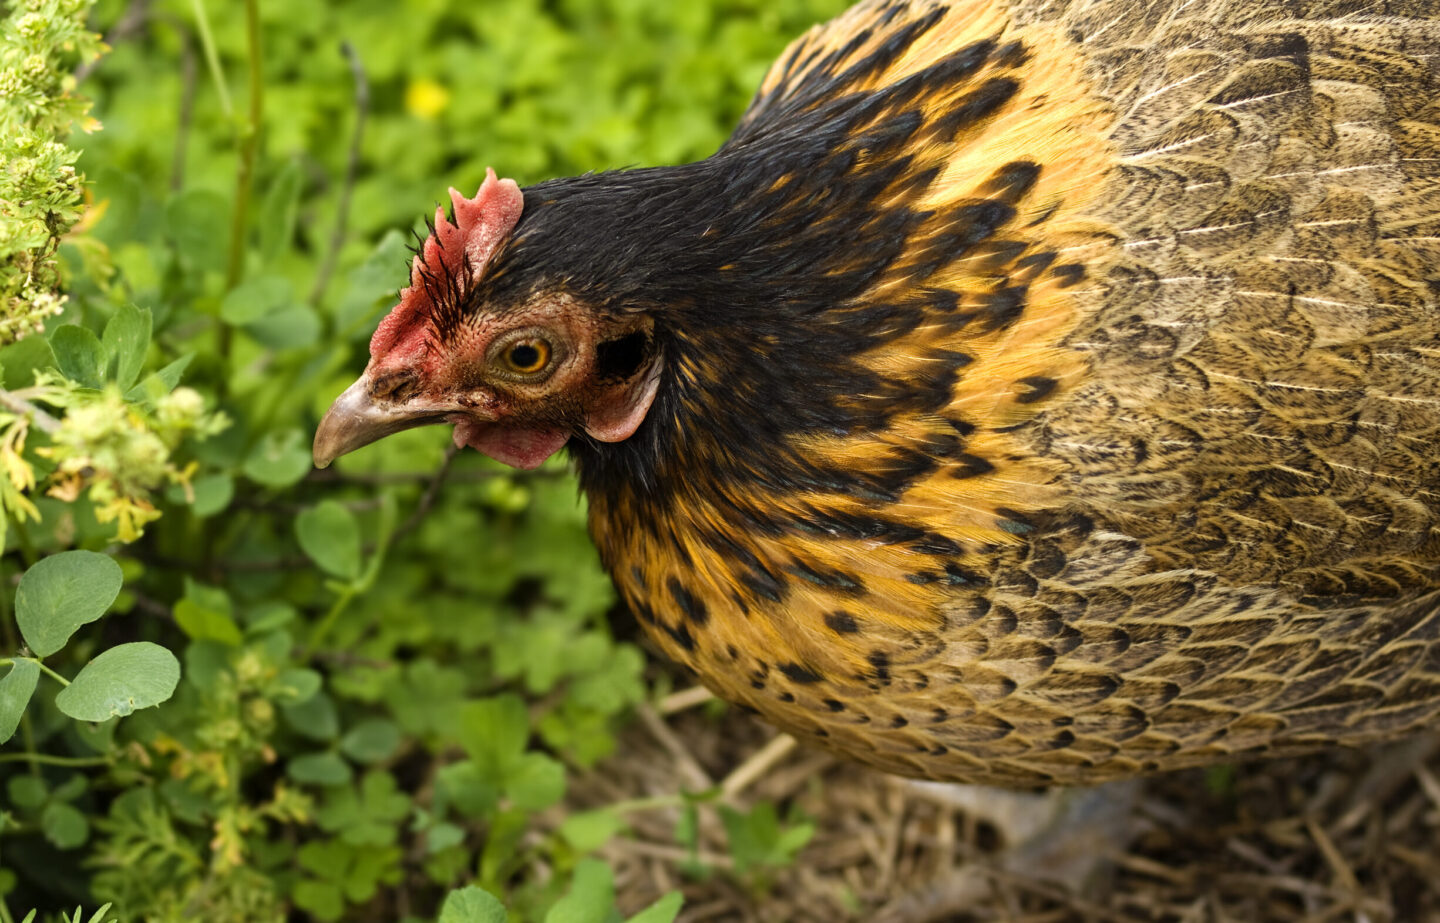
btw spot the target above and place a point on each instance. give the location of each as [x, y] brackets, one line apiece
[233, 688]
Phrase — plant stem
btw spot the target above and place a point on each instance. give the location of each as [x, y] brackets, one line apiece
[366, 580]
[15, 403]
[249, 139]
[323, 627]
[212, 58]
[48, 760]
[352, 169]
[49, 672]
[646, 804]
[9, 661]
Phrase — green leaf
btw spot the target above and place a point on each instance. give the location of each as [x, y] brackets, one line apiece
[315, 717]
[292, 326]
[269, 616]
[99, 915]
[665, 910]
[591, 898]
[493, 732]
[212, 493]
[119, 681]
[60, 593]
[319, 769]
[160, 383]
[127, 337]
[460, 785]
[295, 685]
[79, 355]
[326, 858]
[503, 851]
[71, 788]
[206, 624]
[254, 299]
[278, 210]
[757, 838]
[443, 836]
[322, 898]
[589, 830]
[330, 535]
[204, 614]
[15, 691]
[371, 741]
[64, 825]
[23, 359]
[426, 698]
[279, 459]
[373, 280]
[27, 792]
[472, 905]
[536, 783]
[198, 224]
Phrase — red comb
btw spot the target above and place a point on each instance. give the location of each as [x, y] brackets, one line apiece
[480, 225]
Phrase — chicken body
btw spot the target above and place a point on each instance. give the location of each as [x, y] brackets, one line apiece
[1027, 393]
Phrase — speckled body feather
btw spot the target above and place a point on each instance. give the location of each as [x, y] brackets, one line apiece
[1123, 461]
[1043, 392]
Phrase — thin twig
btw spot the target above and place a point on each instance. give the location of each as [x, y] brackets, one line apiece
[188, 83]
[47, 760]
[683, 700]
[260, 566]
[427, 500]
[152, 607]
[668, 853]
[1333, 858]
[249, 152]
[352, 168]
[695, 776]
[17, 404]
[344, 659]
[212, 58]
[329, 475]
[757, 765]
[132, 22]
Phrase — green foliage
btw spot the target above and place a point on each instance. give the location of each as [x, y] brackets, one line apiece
[41, 41]
[61, 593]
[758, 839]
[235, 688]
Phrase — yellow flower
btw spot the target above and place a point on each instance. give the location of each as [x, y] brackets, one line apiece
[426, 99]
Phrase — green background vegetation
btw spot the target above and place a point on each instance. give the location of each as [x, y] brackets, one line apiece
[237, 687]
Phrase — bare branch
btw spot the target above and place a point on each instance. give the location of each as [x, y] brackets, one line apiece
[352, 167]
[427, 500]
[17, 404]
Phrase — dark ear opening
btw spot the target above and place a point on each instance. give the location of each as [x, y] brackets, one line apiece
[622, 356]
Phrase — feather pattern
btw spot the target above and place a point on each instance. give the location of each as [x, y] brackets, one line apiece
[1135, 476]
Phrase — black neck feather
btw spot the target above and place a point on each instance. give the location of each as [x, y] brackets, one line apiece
[759, 266]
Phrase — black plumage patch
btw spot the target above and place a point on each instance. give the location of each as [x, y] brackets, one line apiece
[1035, 388]
[880, 661]
[799, 674]
[690, 605]
[681, 635]
[970, 466]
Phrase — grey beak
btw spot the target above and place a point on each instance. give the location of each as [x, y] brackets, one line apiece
[355, 420]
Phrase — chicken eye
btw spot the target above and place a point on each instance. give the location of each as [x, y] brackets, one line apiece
[527, 356]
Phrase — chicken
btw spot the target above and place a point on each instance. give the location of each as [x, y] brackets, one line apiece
[1028, 392]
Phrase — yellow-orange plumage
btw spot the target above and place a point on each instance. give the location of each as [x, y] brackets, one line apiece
[1045, 392]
